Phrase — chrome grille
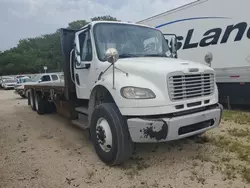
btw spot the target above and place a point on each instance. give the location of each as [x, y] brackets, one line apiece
[188, 86]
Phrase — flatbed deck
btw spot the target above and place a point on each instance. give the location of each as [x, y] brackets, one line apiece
[56, 86]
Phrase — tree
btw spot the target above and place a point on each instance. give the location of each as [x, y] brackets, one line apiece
[107, 17]
[77, 24]
[31, 54]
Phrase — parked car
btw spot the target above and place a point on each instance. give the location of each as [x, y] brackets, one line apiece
[2, 78]
[9, 83]
[41, 78]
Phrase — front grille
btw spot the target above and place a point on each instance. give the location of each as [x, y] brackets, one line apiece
[188, 86]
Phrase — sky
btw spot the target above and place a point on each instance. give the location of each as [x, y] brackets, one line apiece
[20, 19]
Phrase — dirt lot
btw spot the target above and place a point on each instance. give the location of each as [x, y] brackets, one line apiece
[47, 151]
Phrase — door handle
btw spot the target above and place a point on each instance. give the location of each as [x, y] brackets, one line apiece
[77, 79]
[70, 64]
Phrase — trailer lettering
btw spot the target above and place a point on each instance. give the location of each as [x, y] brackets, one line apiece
[241, 30]
[212, 36]
[179, 43]
[187, 43]
[248, 33]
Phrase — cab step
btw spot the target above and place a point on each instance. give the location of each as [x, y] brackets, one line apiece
[81, 122]
[82, 110]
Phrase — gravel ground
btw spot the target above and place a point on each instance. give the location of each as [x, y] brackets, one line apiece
[47, 151]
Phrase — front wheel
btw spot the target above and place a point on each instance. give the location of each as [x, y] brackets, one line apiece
[110, 135]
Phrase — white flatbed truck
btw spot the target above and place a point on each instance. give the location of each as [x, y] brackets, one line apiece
[130, 85]
[214, 32]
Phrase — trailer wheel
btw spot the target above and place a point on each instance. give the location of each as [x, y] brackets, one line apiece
[51, 108]
[29, 98]
[110, 135]
[23, 96]
[32, 100]
[26, 93]
[41, 104]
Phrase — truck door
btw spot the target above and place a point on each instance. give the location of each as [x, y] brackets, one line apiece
[84, 56]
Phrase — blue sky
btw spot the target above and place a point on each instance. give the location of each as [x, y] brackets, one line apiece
[29, 18]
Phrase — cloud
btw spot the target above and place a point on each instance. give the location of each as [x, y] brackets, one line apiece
[29, 18]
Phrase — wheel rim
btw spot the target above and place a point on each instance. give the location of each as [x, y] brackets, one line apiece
[104, 135]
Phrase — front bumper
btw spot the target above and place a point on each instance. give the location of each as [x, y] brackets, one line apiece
[167, 129]
[9, 87]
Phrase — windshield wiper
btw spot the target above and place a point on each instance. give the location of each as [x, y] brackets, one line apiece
[154, 55]
[128, 55]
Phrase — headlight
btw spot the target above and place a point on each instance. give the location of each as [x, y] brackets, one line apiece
[137, 93]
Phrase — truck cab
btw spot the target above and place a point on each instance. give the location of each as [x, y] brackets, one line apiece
[137, 87]
[132, 87]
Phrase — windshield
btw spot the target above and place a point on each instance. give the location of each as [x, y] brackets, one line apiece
[36, 78]
[130, 40]
[23, 80]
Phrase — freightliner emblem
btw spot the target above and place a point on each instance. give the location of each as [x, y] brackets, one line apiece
[193, 70]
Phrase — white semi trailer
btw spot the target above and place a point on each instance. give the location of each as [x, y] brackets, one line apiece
[214, 32]
[128, 82]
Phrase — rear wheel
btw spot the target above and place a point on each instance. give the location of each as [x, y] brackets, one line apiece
[32, 100]
[23, 96]
[41, 104]
[26, 93]
[110, 135]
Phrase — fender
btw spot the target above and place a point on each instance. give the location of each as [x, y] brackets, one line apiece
[121, 80]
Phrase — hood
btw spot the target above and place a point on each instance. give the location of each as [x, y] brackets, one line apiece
[158, 65]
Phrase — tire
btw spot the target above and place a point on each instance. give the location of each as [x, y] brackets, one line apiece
[26, 93]
[23, 96]
[29, 97]
[121, 147]
[41, 104]
[32, 100]
[51, 108]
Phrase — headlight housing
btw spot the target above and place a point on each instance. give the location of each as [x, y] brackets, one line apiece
[130, 92]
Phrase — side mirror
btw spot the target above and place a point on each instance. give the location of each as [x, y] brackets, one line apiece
[39, 81]
[112, 55]
[208, 58]
[174, 46]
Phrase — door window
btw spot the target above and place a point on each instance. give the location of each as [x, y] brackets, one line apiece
[45, 78]
[85, 46]
[54, 77]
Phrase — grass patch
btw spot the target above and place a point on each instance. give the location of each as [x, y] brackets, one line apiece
[236, 116]
[239, 132]
[230, 171]
[137, 164]
[242, 150]
[246, 174]
[198, 177]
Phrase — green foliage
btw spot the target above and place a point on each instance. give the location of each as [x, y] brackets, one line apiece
[31, 54]
[108, 18]
[77, 24]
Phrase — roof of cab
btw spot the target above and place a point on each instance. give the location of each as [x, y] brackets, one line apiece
[118, 22]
